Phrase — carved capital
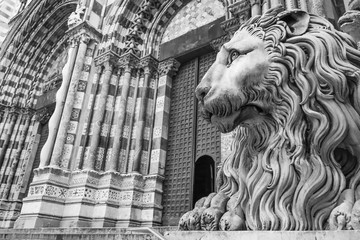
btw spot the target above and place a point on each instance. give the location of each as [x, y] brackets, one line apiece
[169, 67]
[43, 115]
[13, 114]
[149, 64]
[73, 41]
[109, 66]
[108, 57]
[15, 111]
[128, 61]
[254, 2]
[85, 38]
[84, 32]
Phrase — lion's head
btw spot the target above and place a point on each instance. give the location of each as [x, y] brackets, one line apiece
[288, 83]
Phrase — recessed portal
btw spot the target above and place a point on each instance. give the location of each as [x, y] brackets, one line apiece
[204, 178]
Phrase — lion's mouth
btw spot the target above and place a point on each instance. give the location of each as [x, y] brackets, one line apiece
[246, 115]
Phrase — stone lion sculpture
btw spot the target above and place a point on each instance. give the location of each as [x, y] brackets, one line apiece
[288, 84]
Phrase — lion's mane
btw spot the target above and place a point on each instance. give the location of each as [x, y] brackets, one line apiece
[289, 171]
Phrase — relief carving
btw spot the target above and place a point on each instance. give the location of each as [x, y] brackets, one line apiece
[287, 84]
[76, 17]
[54, 79]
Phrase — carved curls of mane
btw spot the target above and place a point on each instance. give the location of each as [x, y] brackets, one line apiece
[289, 171]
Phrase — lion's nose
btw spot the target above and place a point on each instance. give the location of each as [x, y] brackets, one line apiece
[201, 91]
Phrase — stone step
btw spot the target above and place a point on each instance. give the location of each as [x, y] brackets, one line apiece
[168, 233]
[140, 233]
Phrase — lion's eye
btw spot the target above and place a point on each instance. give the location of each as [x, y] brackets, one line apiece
[232, 56]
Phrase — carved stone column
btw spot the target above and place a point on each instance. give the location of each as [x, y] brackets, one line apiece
[87, 119]
[265, 6]
[14, 162]
[51, 188]
[149, 65]
[98, 117]
[167, 70]
[16, 128]
[54, 121]
[316, 7]
[303, 5]
[255, 7]
[127, 62]
[67, 111]
[10, 127]
[290, 4]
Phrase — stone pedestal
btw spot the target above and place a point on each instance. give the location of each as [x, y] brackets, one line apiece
[265, 235]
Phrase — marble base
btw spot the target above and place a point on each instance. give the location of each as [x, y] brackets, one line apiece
[264, 235]
[58, 198]
[84, 233]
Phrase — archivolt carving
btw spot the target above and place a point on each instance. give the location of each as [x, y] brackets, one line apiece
[288, 83]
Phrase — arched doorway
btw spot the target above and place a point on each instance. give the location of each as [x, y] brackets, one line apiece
[203, 177]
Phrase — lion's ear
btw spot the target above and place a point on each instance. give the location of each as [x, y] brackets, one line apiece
[297, 21]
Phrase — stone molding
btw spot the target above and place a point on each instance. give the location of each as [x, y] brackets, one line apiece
[17, 110]
[127, 61]
[217, 43]
[41, 115]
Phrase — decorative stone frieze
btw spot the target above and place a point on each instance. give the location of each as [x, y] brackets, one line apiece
[240, 12]
[238, 8]
[115, 192]
[216, 44]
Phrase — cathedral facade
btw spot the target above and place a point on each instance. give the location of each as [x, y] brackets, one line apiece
[99, 126]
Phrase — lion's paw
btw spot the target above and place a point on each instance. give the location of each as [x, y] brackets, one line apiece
[195, 215]
[192, 220]
[355, 216]
[210, 218]
[340, 217]
[231, 222]
[184, 222]
[355, 213]
[234, 218]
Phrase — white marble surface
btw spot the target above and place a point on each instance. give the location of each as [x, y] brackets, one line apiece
[264, 235]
